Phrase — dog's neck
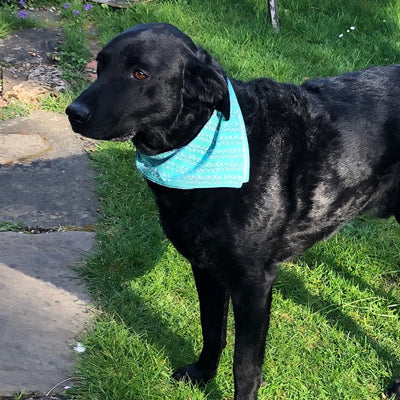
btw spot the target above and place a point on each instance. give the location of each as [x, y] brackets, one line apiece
[217, 157]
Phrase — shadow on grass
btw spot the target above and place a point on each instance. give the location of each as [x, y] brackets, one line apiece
[289, 279]
[130, 244]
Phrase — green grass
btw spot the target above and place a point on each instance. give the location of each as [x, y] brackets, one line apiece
[9, 21]
[13, 109]
[74, 50]
[335, 323]
[10, 227]
[334, 329]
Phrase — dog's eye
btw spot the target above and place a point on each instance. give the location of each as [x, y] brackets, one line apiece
[139, 75]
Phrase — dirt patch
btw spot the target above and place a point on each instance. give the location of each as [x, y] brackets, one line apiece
[30, 84]
[29, 72]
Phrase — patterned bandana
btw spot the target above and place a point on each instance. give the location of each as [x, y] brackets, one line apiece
[217, 157]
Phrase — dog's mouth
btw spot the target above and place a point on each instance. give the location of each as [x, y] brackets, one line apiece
[75, 124]
[92, 130]
[86, 123]
[124, 138]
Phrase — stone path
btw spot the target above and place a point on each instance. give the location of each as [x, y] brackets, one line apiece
[46, 182]
[42, 308]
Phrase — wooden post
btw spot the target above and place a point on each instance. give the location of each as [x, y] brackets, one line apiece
[273, 13]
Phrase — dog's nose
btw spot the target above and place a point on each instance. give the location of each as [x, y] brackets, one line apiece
[78, 112]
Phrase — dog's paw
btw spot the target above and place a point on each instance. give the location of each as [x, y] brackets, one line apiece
[193, 374]
[394, 390]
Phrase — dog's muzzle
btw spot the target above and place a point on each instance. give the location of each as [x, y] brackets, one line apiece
[78, 114]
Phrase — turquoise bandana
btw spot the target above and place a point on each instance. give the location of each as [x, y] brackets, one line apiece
[217, 157]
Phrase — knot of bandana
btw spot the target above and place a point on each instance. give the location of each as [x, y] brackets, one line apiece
[217, 157]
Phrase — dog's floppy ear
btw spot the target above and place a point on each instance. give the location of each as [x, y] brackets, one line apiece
[205, 81]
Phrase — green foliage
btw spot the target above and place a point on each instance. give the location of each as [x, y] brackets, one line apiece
[238, 33]
[13, 109]
[57, 103]
[10, 227]
[74, 53]
[10, 20]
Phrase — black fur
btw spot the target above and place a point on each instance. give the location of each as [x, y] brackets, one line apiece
[320, 154]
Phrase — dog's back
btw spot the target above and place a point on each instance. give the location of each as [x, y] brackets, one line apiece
[320, 154]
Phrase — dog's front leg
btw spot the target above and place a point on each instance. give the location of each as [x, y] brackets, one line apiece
[251, 307]
[213, 313]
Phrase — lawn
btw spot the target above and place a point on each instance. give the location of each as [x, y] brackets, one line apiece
[335, 325]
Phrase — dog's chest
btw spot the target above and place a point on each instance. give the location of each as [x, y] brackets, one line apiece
[197, 225]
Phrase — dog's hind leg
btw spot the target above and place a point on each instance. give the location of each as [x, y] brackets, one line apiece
[251, 307]
[214, 302]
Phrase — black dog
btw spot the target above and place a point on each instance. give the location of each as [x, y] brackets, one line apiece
[319, 154]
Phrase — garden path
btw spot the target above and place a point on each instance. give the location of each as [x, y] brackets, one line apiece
[46, 182]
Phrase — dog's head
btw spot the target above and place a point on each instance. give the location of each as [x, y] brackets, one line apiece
[155, 86]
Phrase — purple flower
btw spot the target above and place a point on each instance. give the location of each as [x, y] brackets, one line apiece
[66, 5]
[22, 2]
[87, 7]
[76, 12]
[22, 14]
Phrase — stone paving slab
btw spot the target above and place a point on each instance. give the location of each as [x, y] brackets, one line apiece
[20, 147]
[53, 127]
[42, 308]
[45, 174]
[46, 181]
